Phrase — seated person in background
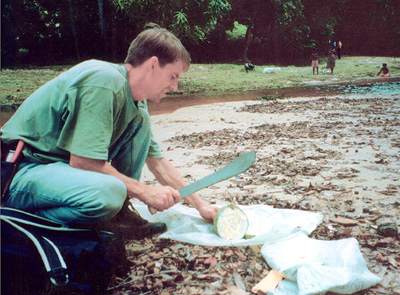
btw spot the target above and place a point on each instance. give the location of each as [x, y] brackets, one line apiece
[384, 72]
[248, 67]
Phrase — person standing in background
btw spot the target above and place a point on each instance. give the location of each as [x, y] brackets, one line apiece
[331, 60]
[314, 61]
[339, 49]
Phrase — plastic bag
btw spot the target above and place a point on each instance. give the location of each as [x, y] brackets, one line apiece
[317, 266]
[270, 70]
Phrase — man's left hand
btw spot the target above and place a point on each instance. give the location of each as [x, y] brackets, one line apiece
[208, 212]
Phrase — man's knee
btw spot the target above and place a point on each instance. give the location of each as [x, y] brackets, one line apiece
[103, 200]
[111, 195]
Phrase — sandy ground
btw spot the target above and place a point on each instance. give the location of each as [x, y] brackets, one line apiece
[335, 155]
[356, 145]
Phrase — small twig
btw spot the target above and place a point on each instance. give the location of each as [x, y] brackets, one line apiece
[125, 282]
[144, 253]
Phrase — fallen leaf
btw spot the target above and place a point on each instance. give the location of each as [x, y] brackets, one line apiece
[212, 261]
[239, 281]
[240, 255]
[270, 282]
[234, 290]
[229, 252]
[344, 221]
[379, 256]
[393, 262]
[256, 249]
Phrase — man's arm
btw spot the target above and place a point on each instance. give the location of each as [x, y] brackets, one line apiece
[160, 198]
[167, 174]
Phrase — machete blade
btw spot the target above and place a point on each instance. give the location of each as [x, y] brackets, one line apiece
[238, 165]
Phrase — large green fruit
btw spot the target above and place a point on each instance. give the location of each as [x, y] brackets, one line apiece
[231, 223]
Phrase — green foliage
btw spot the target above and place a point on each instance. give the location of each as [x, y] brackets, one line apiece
[264, 31]
[217, 8]
[189, 20]
[238, 31]
[180, 18]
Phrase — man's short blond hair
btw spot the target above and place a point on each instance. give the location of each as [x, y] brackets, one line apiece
[157, 42]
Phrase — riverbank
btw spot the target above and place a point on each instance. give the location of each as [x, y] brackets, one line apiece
[216, 79]
[174, 102]
[374, 85]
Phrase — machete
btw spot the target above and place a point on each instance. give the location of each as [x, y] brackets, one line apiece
[238, 165]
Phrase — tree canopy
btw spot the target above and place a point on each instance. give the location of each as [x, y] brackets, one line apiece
[45, 32]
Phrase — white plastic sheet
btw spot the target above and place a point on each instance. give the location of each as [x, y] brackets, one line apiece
[309, 266]
[186, 225]
[316, 266]
[270, 70]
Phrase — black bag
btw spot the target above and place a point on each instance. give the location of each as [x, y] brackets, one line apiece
[39, 256]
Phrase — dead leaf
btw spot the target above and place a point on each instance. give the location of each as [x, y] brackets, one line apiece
[229, 252]
[344, 221]
[393, 262]
[379, 256]
[239, 281]
[346, 232]
[240, 255]
[234, 290]
[270, 282]
[212, 261]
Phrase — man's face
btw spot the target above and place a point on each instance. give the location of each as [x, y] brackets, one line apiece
[164, 79]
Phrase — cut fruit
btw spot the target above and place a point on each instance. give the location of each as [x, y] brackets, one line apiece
[231, 223]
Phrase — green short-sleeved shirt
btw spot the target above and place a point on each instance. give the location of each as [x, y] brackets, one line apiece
[84, 111]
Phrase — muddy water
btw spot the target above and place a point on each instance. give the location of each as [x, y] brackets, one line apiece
[175, 102]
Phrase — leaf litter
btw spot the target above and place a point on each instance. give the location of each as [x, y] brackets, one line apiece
[339, 157]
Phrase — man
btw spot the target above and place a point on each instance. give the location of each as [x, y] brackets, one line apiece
[88, 136]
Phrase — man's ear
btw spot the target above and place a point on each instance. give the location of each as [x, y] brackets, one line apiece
[153, 61]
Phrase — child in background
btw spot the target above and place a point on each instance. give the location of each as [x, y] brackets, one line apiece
[384, 72]
[331, 60]
[314, 62]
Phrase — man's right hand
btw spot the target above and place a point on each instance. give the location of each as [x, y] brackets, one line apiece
[160, 198]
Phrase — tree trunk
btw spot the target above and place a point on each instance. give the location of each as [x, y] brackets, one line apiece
[102, 25]
[73, 28]
[247, 42]
[248, 32]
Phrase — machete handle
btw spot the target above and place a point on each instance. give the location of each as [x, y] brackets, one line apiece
[152, 210]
